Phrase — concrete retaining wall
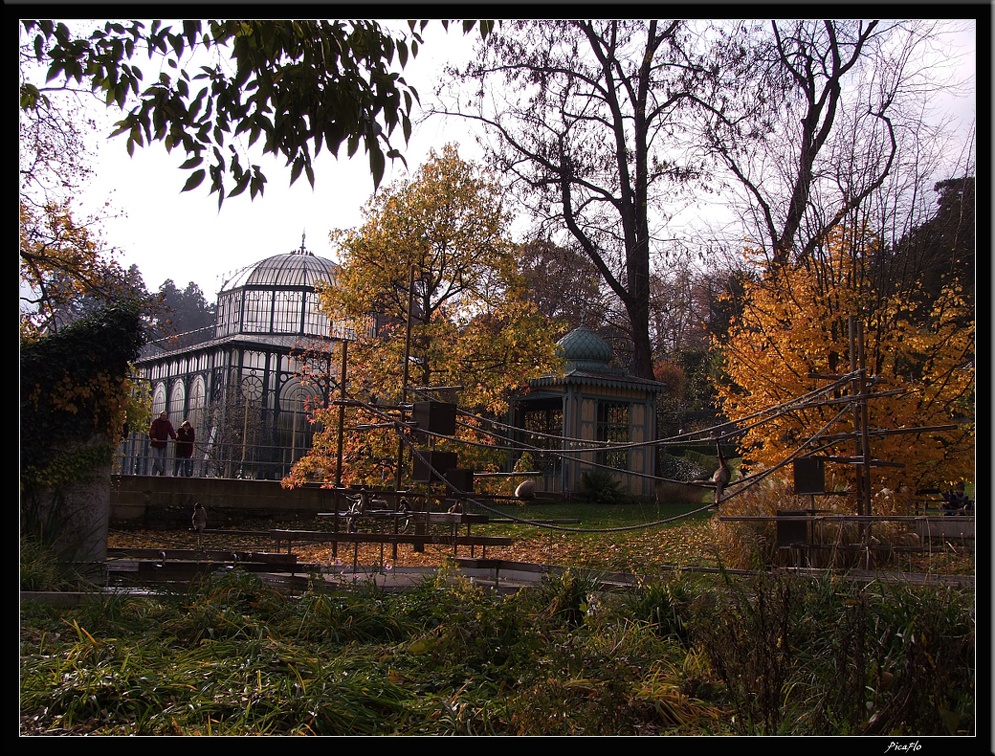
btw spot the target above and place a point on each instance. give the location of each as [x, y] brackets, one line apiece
[947, 528]
[141, 501]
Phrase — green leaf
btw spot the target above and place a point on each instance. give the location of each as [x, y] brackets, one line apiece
[377, 162]
[29, 96]
[241, 184]
[54, 71]
[195, 180]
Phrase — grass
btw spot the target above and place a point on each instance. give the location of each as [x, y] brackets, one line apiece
[622, 537]
[680, 656]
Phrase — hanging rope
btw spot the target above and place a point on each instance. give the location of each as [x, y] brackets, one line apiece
[715, 434]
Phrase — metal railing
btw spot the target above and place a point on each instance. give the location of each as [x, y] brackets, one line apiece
[233, 460]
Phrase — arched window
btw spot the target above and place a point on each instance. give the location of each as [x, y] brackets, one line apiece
[158, 398]
[295, 430]
[176, 398]
[198, 402]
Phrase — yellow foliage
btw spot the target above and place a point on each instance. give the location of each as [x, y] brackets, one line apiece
[472, 328]
[795, 322]
[59, 260]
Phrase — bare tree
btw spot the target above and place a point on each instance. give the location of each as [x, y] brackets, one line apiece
[564, 284]
[583, 116]
[806, 120]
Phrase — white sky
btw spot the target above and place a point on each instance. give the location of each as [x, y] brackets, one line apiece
[184, 237]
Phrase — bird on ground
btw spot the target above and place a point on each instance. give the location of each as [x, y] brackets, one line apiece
[199, 520]
[722, 476]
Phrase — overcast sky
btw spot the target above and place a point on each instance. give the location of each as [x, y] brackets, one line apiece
[184, 237]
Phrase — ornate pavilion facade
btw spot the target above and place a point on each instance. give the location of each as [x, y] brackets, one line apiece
[242, 388]
[572, 420]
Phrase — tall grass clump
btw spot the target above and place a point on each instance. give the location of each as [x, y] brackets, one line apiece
[600, 670]
[753, 545]
[665, 605]
[833, 656]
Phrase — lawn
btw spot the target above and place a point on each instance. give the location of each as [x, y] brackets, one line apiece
[630, 537]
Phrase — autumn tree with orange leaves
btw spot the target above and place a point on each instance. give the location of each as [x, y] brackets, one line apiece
[794, 324]
[474, 330]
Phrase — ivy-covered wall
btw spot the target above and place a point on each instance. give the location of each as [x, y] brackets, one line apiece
[74, 395]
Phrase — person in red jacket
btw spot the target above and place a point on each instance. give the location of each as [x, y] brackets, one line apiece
[160, 432]
[184, 450]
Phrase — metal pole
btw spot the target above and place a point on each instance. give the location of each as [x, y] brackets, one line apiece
[293, 431]
[245, 430]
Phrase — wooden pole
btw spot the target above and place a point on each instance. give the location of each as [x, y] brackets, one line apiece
[404, 379]
[859, 414]
[342, 395]
[865, 444]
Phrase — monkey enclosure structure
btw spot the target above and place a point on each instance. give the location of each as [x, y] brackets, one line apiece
[593, 416]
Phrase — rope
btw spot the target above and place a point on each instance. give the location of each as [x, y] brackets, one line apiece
[716, 434]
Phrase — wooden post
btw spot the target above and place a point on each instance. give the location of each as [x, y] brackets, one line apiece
[855, 391]
[865, 443]
[342, 397]
[404, 380]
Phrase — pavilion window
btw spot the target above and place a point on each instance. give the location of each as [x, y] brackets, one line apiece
[257, 311]
[287, 312]
[613, 425]
[543, 428]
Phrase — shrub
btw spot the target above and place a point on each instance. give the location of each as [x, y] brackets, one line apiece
[680, 468]
[601, 487]
[834, 656]
[753, 545]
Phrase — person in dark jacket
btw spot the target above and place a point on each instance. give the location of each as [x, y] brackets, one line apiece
[160, 432]
[184, 450]
[956, 501]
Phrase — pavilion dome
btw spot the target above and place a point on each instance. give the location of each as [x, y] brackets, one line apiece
[276, 296]
[287, 271]
[583, 349]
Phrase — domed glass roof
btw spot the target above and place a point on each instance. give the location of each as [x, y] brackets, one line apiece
[585, 349]
[290, 270]
[276, 296]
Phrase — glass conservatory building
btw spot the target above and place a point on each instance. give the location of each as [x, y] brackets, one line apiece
[247, 389]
